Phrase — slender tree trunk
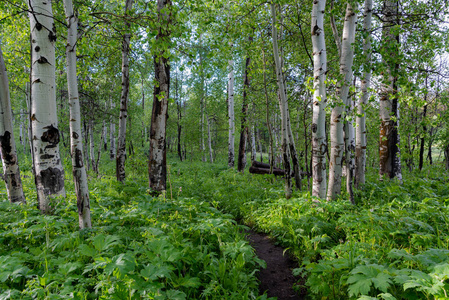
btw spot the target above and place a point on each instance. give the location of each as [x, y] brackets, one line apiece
[349, 150]
[209, 140]
[253, 144]
[267, 103]
[11, 171]
[282, 104]
[259, 144]
[319, 144]
[76, 142]
[157, 159]
[179, 106]
[241, 162]
[112, 133]
[91, 145]
[390, 164]
[104, 136]
[429, 152]
[360, 149]
[336, 131]
[44, 120]
[424, 128]
[121, 141]
[231, 138]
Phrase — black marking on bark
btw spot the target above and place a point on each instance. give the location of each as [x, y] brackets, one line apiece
[52, 36]
[36, 81]
[50, 146]
[51, 135]
[75, 135]
[5, 144]
[38, 26]
[314, 128]
[52, 180]
[43, 60]
[47, 156]
[37, 48]
[78, 158]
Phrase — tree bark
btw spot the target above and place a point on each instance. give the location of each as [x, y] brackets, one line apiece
[282, 104]
[112, 150]
[231, 117]
[76, 141]
[424, 128]
[157, 166]
[44, 120]
[121, 141]
[360, 148]
[337, 121]
[241, 162]
[11, 171]
[209, 140]
[319, 145]
[389, 154]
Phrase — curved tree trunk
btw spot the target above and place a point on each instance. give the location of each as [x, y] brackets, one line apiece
[44, 118]
[8, 151]
[360, 148]
[336, 131]
[389, 155]
[121, 141]
[157, 166]
[76, 141]
[319, 144]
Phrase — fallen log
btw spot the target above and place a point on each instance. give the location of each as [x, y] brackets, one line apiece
[263, 171]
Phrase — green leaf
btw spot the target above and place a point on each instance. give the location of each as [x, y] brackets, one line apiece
[152, 272]
[361, 286]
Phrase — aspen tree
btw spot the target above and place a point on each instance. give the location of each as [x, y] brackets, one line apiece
[44, 121]
[112, 150]
[231, 137]
[157, 166]
[282, 104]
[319, 145]
[76, 141]
[11, 171]
[336, 131]
[121, 141]
[360, 147]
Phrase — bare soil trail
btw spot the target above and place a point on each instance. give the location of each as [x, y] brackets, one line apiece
[277, 279]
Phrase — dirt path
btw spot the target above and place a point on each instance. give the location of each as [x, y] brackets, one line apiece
[277, 279]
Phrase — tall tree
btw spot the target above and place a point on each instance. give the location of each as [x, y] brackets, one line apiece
[336, 131]
[283, 105]
[360, 148]
[319, 144]
[11, 172]
[49, 173]
[121, 141]
[76, 141]
[157, 167]
[241, 162]
[231, 135]
[389, 155]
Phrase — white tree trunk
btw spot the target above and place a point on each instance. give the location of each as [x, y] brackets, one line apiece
[209, 140]
[349, 151]
[360, 148]
[105, 136]
[231, 118]
[283, 105]
[11, 172]
[112, 133]
[44, 121]
[336, 132]
[121, 141]
[76, 141]
[319, 145]
[253, 144]
[91, 145]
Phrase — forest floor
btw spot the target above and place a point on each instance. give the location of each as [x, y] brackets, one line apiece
[276, 279]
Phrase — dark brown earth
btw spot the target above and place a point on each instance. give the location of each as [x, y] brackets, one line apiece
[277, 279]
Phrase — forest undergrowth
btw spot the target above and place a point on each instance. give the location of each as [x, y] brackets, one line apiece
[186, 243]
